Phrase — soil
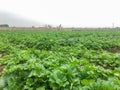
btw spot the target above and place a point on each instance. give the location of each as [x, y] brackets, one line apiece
[1, 69]
[1, 55]
[115, 50]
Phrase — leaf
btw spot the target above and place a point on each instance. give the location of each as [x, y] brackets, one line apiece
[40, 88]
[86, 82]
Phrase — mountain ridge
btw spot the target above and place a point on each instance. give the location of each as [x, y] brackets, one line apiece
[14, 20]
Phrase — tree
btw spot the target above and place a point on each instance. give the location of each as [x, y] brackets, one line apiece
[48, 26]
[4, 25]
[60, 27]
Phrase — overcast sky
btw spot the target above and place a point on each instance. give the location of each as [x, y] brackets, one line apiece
[81, 13]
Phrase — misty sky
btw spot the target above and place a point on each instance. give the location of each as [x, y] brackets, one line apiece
[80, 13]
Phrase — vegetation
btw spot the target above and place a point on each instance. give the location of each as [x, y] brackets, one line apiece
[60, 60]
[4, 25]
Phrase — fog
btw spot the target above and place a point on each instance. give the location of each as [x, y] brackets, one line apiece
[73, 13]
[16, 20]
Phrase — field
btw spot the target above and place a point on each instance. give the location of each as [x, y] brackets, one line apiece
[60, 60]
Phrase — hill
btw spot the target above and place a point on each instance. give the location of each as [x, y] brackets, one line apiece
[17, 21]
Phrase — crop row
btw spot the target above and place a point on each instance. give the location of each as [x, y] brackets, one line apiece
[60, 60]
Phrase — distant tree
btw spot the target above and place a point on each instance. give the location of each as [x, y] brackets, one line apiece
[49, 26]
[117, 27]
[33, 26]
[4, 25]
[60, 27]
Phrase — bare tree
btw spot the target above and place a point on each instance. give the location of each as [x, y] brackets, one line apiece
[60, 27]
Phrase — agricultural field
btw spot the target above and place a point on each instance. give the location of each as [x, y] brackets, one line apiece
[60, 60]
